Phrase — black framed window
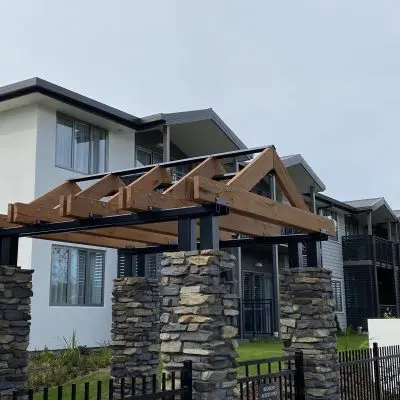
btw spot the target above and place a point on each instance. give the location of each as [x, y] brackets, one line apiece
[337, 286]
[77, 276]
[80, 147]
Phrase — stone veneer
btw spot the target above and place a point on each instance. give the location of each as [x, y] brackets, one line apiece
[199, 319]
[308, 325]
[15, 314]
[135, 328]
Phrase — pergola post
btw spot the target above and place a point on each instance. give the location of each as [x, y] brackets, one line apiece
[199, 320]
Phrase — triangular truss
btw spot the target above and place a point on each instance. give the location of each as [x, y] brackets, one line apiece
[152, 187]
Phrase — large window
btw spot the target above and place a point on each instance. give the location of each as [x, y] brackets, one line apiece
[337, 295]
[332, 215]
[77, 276]
[80, 147]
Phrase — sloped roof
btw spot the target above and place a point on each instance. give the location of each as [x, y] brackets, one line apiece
[365, 202]
[295, 159]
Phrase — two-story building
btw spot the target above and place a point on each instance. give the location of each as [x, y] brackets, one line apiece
[49, 134]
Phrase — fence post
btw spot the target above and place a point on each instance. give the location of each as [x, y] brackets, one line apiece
[375, 353]
[187, 380]
[299, 376]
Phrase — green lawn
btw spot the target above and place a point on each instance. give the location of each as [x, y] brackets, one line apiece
[247, 351]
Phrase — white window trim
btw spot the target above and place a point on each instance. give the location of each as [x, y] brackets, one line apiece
[340, 280]
[73, 119]
[88, 305]
[148, 151]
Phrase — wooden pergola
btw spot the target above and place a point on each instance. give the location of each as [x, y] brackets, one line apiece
[144, 206]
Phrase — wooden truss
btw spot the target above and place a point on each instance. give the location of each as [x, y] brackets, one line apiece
[250, 214]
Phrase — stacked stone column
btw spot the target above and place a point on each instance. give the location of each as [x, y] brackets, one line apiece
[135, 328]
[199, 319]
[308, 325]
[15, 315]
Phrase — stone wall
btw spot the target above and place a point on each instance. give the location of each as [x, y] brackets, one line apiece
[15, 315]
[199, 319]
[135, 328]
[308, 325]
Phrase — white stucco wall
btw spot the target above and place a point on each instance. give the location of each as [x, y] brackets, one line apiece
[17, 164]
[49, 323]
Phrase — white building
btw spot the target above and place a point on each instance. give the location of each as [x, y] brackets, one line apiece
[49, 134]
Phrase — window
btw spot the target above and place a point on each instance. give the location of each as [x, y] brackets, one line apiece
[77, 276]
[148, 157]
[80, 147]
[337, 295]
[334, 217]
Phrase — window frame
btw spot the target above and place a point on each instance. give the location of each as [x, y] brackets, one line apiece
[340, 282]
[323, 212]
[92, 127]
[87, 273]
[148, 151]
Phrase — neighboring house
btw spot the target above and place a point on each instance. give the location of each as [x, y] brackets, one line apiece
[49, 134]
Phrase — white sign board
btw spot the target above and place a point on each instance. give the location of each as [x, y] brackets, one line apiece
[385, 332]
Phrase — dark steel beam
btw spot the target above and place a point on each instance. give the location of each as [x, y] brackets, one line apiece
[169, 164]
[209, 232]
[9, 250]
[265, 240]
[294, 254]
[147, 217]
[187, 234]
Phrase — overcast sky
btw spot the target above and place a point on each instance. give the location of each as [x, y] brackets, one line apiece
[317, 77]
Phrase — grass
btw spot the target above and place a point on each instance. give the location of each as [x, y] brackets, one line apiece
[247, 351]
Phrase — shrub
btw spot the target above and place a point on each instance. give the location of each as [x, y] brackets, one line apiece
[48, 368]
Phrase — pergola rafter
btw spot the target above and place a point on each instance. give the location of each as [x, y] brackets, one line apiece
[140, 190]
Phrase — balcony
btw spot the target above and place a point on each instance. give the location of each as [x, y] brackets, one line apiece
[370, 248]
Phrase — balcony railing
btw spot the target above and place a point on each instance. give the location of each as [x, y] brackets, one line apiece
[360, 248]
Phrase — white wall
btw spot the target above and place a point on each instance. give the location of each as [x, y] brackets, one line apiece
[50, 323]
[17, 164]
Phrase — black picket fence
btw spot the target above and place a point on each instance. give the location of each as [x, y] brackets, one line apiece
[370, 374]
[175, 386]
[279, 377]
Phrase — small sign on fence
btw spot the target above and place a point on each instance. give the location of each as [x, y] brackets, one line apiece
[268, 391]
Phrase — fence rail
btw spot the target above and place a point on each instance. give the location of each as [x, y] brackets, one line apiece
[283, 375]
[370, 374]
[175, 386]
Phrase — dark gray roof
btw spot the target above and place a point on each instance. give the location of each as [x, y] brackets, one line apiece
[197, 115]
[37, 85]
[294, 159]
[365, 202]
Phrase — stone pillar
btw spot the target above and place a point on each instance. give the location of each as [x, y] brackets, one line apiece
[308, 325]
[15, 315]
[199, 320]
[135, 328]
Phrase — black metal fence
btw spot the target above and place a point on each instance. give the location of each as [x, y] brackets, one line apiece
[370, 374]
[279, 377]
[175, 386]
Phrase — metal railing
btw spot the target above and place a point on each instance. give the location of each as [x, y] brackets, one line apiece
[175, 385]
[387, 310]
[275, 378]
[370, 374]
[362, 247]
